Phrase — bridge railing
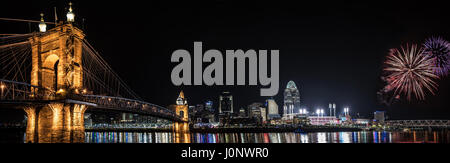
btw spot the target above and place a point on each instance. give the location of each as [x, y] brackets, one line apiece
[129, 126]
[130, 105]
[19, 91]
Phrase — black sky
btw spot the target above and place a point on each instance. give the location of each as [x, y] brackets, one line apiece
[333, 51]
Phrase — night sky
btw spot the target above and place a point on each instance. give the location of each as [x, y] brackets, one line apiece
[333, 51]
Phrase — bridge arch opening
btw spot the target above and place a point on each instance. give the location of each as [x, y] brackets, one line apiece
[50, 72]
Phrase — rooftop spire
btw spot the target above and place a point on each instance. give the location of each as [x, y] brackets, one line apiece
[70, 6]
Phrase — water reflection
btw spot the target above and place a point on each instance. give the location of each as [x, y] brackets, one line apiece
[319, 137]
[128, 137]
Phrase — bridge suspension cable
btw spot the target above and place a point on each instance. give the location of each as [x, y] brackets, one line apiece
[24, 20]
[99, 76]
[15, 57]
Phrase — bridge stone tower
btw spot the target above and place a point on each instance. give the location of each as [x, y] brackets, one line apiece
[181, 108]
[57, 66]
[181, 129]
[56, 59]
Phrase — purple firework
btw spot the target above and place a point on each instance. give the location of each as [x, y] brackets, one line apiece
[438, 49]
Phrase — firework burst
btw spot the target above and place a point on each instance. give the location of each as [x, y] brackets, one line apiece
[438, 49]
[410, 72]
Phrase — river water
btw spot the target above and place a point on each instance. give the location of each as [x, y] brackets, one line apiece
[288, 137]
[285, 137]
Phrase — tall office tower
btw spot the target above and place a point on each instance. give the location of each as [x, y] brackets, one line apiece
[291, 99]
[226, 103]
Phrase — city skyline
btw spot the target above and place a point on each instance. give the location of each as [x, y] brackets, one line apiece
[331, 62]
[224, 72]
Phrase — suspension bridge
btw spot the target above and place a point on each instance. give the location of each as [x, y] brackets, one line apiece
[55, 75]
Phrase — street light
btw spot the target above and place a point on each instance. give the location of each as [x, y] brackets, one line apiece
[320, 112]
[334, 109]
[346, 111]
[2, 87]
[70, 15]
[42, 25]
[302, 111]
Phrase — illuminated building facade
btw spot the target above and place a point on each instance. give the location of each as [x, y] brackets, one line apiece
[272, 109]
[379, 116]
[258, 111]
[323, 120]
[242, 112]
[263, 114]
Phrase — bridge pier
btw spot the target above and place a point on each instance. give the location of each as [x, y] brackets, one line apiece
[55, 123]
[31, 130]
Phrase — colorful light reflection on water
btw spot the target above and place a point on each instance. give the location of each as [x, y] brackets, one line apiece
[288, 137]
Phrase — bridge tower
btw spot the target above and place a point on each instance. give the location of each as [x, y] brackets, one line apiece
[56, 59]
[181, 129]
[56, 66]
[181, 108]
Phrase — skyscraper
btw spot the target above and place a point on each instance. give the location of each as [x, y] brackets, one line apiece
[209, 106]
[291, 99]
[226, 103]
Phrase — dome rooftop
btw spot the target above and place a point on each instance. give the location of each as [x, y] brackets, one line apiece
[291, 84]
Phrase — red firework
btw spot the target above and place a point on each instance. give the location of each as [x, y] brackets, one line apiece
[410, 71]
